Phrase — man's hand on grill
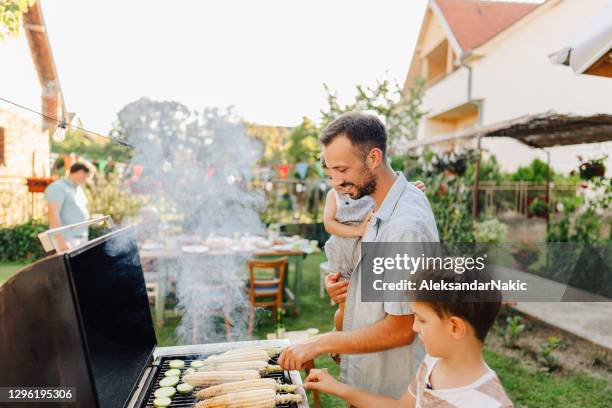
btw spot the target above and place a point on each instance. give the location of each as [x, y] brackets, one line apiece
[336, 289]
[294, 357]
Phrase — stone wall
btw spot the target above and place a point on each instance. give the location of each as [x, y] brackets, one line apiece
[26, 154]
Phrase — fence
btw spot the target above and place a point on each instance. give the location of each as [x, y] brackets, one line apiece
[515, 196]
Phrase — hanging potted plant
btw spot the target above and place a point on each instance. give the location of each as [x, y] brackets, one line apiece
[39, 184]
[592, 168]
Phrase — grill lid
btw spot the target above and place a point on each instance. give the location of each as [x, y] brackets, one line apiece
[115, 318]
[79, 319]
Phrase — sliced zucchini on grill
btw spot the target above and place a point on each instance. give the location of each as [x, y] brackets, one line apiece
[169, 382]
[197, 363]
[162, 402]
[189, 371]
[176, 364]
[165, 392]
[173, 373]
[184, 388]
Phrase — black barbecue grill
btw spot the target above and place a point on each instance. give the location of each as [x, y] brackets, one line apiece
[82, 319]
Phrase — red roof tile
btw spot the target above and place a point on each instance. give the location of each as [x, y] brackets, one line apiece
[474, 22]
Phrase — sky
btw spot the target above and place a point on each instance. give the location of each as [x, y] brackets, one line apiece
[267, 58]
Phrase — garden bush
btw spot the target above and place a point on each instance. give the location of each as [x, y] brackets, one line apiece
[21, 243]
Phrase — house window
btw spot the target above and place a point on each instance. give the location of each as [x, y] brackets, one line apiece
[2, 147]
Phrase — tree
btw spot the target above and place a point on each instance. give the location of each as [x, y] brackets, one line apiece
[401, 113]
[535, 172]
[274, 140]
[303, 145]
[11, 14]
[91, 147]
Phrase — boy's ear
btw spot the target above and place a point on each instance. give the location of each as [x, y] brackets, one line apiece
[458, 327]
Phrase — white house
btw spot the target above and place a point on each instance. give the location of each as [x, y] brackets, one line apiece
[29, 78]
[485, 62]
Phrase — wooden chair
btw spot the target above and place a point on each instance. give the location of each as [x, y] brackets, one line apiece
[271, 289]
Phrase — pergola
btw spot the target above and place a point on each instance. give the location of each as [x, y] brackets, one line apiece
[539, 131]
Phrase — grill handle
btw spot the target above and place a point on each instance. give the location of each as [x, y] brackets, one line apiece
[47, 238]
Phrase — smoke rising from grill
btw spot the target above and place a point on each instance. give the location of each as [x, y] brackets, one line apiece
[195, 172]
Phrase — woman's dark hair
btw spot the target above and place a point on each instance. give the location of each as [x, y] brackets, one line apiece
[363, 130]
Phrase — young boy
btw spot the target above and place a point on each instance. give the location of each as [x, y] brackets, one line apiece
[453, 373]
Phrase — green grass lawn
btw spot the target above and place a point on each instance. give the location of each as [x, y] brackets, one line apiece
[526, 387]
[8, 269]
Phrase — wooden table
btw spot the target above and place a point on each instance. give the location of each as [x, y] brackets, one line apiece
[292, 291]
[297, 337]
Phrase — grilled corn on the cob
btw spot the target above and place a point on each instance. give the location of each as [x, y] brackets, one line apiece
[265, 398]
[261, 366]
[206, 378]
[239, 386]
[254, 355]
[271, 350]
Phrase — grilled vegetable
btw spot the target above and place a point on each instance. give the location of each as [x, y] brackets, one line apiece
[173, 373]
[255, 355]
[197, 363]
[206, 378]
[261, 366]
[162, 402]
[271, 350]
[176, 364]
[265, 398]
[239, 386]
[184, 388]
[165, 392]
[189, 371]
[168, 382]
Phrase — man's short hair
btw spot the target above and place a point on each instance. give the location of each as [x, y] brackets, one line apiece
[364, 131]
[76, 167]
[478, 307]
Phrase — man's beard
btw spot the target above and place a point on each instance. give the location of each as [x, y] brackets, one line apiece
[367, 188]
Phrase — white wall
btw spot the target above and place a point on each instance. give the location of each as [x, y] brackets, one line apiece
[18, 79]
[448, 93]
[515, 78]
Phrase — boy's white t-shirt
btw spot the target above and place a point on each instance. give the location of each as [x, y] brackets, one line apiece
[485, 392]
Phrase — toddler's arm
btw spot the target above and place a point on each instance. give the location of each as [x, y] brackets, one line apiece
[334, 227]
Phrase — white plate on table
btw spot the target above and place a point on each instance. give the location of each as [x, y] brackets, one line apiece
[151, 246]
[194, 249]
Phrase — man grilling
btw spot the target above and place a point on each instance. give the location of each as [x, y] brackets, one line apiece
[67, 204]
[375, 343]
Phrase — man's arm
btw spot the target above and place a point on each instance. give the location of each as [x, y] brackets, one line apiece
[53, 215]
[391, 332]
[55, 222]
[55, 197]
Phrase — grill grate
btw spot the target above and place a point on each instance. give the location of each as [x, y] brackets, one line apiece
[187, 400]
